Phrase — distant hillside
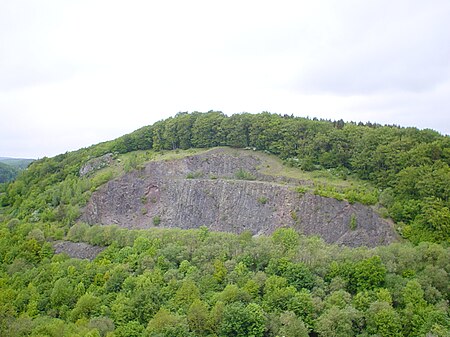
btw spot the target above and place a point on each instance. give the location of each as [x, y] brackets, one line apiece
[10, 167]
[7, 173]
[20, 163]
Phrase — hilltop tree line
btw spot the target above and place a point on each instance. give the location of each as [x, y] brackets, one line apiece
[410, 167]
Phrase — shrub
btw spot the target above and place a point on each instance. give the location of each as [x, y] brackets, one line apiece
[194, 175]
[262, 200]
[241, 174]
[353, 223]
[156, 220]
[301, 190]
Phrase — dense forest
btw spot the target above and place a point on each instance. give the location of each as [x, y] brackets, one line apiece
[168, 282]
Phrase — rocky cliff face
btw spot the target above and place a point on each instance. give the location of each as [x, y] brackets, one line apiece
[204, 190]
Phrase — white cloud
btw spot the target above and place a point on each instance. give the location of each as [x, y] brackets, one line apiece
[76, 73]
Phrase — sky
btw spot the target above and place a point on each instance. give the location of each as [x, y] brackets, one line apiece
[75, 73]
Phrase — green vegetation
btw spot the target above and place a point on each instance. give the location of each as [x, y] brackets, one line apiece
[242, 174]
[194, 175]
[263, 200]
[405, 169]
[7, 173]
[353, 222]
[171, 282]
[162, 282]
[11, 167]
[18, 163]
[156, 220]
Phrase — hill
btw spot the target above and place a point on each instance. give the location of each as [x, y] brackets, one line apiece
[20, 163]
[408, 167]
[122, 238]
[7, 173]
[11, 167]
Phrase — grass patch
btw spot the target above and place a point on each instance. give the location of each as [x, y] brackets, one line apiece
[353, 222]
[262, 200]
[194, 175]
[242, 174]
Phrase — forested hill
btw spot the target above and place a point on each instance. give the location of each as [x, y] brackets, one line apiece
[10, 168]
[410, 167]
[60, 276]
[7, 173]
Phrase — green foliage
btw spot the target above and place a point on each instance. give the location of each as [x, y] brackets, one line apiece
[262, 200]
[240, 320]
[353, 222]
[198, 318]
[7, 173]
[288, 238]
[156, 220]
[409, 167]
[242, 174]
[161, 282]
[194, 175]
[291, 325]
[170, 282]
[338, 322]
[383, 320]
[164, 323]
[88, 305]
[301, 190]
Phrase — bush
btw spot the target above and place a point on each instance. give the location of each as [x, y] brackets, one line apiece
[156, 220]
[262, 200]
[194, 175]
[244, 175]
[353, 223]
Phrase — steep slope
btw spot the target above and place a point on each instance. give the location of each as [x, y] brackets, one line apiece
[227, 190]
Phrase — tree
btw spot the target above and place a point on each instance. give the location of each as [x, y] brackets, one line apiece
[370, 273]
[62, 293]
[87, 306]
[336, 322]
[198, 318]
[288, 238]
[383, 320]
[185, 296]
[164, 323]
[239, 320]
[292, 326]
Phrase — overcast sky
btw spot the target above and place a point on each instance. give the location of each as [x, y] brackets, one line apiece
[75, 73]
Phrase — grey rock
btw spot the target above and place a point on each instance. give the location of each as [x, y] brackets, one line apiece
[95, 164]
[219, 201]
[78, 250]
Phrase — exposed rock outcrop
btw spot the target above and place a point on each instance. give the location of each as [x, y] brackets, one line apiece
[96, 164]
[203, 190]
[78, 250]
